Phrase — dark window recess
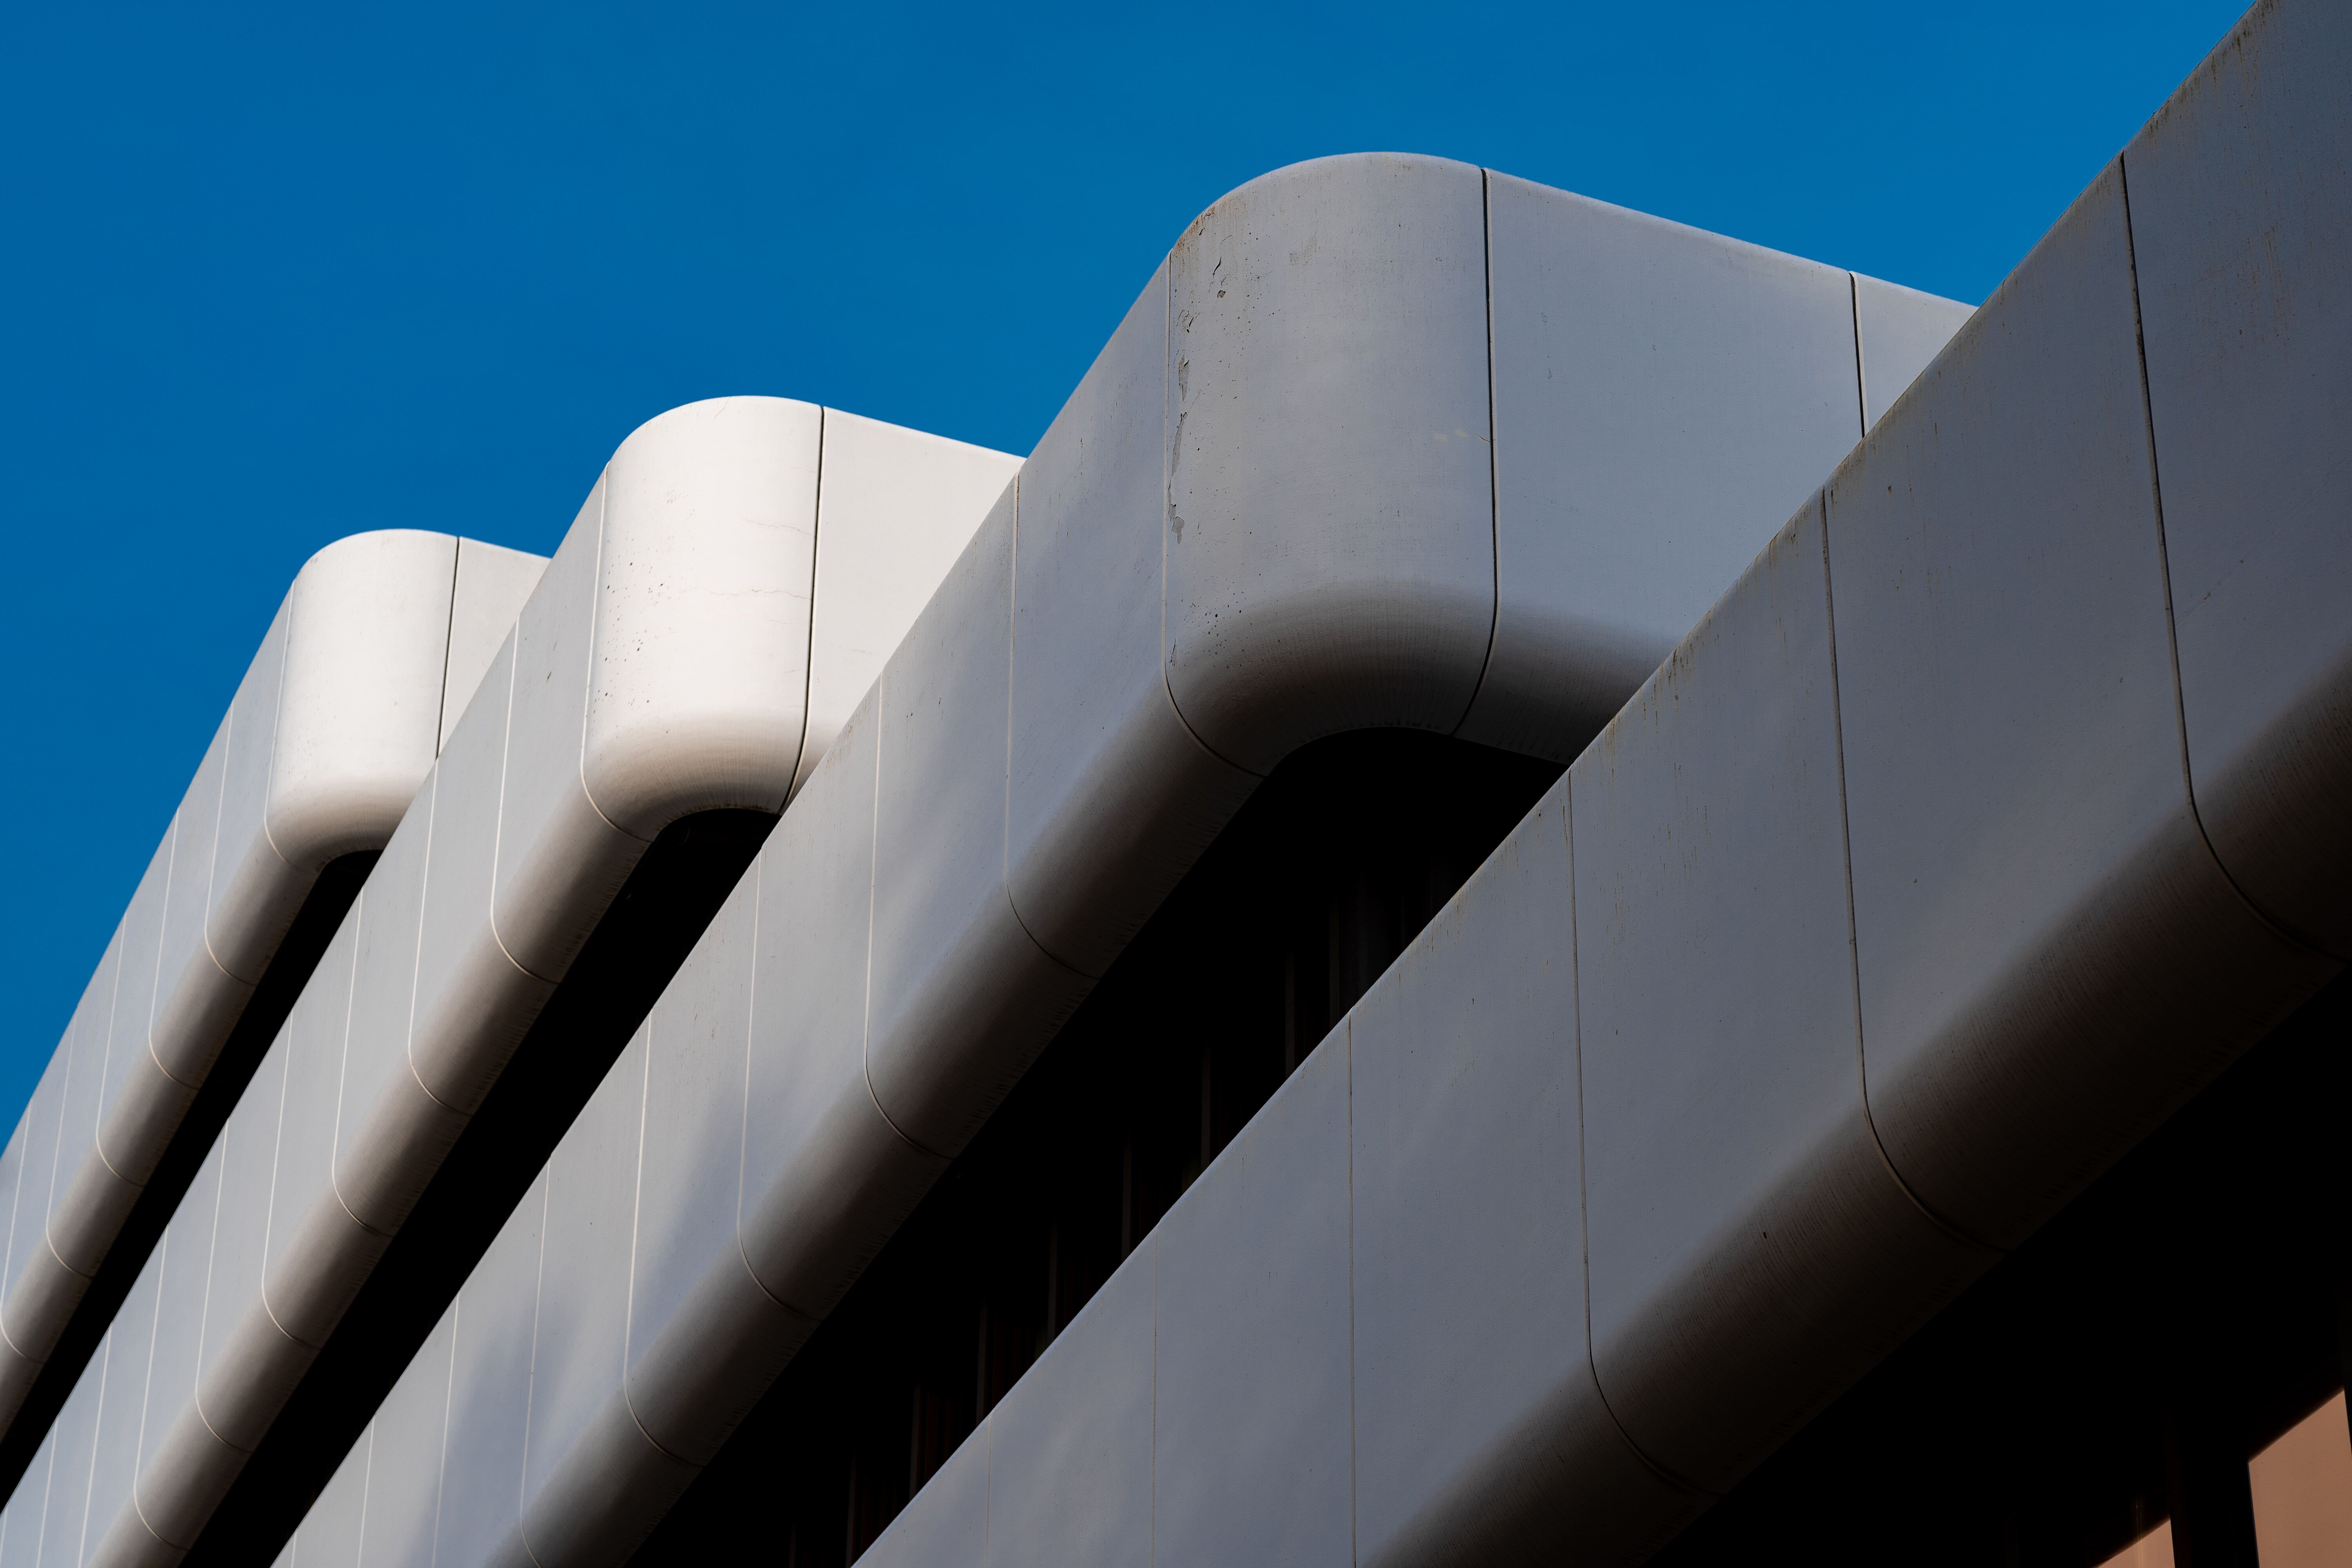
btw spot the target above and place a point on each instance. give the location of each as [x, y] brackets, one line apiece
[660, 912]
[315, 924]
[1337, 863]
[2116, 1370]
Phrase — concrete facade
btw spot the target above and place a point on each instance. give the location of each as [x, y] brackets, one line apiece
[1903, 880]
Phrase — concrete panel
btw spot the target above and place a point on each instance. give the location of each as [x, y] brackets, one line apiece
[493, 584]
[249, 1155]
[16, 1370]
[1664, 399]
[473, 1001]
[87, 1201]
[2241, 195]
[68, 1504]
[895, 509]
[1330, 519]
[550, 835]
[1733, 1188]
[490, 1399]
[806, 1057]
[1251, 1441]
[1897, 331]
[818, 1160]
[366, 652]
[823, 1179]
[28, 1512]
[1479, 1437]
[252, 893]
[405, 1460]
[29, 1247]
[1111, 799]
[195, 1003]
[598, 1506]
[182, 1263]
[699, 683]
[321, 750]
[122, 1411]
[2050, 960]
[383, 998]
[312, 1044]
[329, 1533]
[1069, 1477]
[946, 1524]
[141, 936]
[694, 1114]
[583, 1278]
[960, 999]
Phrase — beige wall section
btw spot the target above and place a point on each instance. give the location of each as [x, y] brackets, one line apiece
[2303, 1500]
[2153, 1550]
[2303, 1493]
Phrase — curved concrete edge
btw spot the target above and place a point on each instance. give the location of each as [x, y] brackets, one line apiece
[2240, 223]
[661, 666]
[333, 727]
[2064, 870]
[2077, 964]
[918, 926]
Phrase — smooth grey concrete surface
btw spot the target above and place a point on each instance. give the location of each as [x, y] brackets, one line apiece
[483, 1440]
[124, 1398]
[332, 728]
[1020, 787]
[583, 1332]
[804, 1056]
[316, 1031]
[141, 933]
[1077, 1435]
[1251, 1410]
[692, 1108]
[949, 1524]
[1976, 704]
[1606, 552]
[403, 1490]
[960, 997]
[2241, 196]
[492, 585]
[2040, 926]
[1730, 1172]
[1896, 332]
[871, 581]
[70, 1477]
[1099, 756]
[330, 1533]
[20, 1532]
[1479, 1437]
[1330, 515]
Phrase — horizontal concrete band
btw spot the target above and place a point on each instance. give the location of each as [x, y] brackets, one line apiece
[334, 724]
[1884, 919]
[1274, 508]
[702, 630]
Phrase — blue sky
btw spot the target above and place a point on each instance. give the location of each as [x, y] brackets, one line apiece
[280, 277]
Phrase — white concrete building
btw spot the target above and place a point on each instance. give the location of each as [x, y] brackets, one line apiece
[1545, 887]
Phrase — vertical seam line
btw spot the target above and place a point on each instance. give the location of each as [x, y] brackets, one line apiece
[1493, 483]
[2164, 573]
[1853, 928]
[448, 635]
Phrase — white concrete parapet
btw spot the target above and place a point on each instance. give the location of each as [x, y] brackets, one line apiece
[1266, 515]
[668, 663]
[374, 650]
